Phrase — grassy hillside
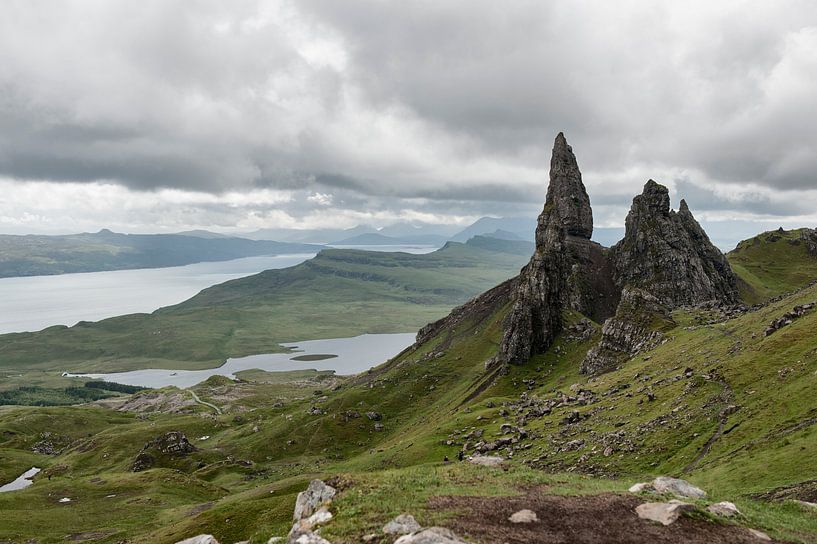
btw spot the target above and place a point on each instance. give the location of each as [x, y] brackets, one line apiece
[773, 263]
[105, 250]
[338, 293]
[732, 411]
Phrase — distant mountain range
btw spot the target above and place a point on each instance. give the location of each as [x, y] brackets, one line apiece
[105, 250]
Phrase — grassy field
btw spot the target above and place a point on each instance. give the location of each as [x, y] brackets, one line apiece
[338, 293]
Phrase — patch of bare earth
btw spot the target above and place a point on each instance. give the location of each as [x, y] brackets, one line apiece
[587, 519]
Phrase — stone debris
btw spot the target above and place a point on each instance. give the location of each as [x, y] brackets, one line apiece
[665, 513]
[402, 525]
[788, 318]
[432, 535]
[724, 509]
[523, 516]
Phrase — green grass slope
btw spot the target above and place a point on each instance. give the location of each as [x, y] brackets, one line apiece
[732, 411]
[338, 293]
[773, 263]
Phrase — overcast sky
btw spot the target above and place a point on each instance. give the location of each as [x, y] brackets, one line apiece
[167, 115]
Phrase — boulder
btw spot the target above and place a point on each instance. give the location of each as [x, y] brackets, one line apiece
[433, 535]
[201, 539]
[523, 516]
[664, 513]
[310, 501]
[487, 460]
[760, 535]
[641, 487]
[677, 487]
[402, 525]
[724, 509]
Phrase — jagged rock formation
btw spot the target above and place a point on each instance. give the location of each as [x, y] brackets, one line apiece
[566, 270]
[636, 326]
[566, 192]
[669, 255]
[664, 261]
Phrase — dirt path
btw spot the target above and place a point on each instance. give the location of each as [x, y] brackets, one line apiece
[204, 403]
[576, 520]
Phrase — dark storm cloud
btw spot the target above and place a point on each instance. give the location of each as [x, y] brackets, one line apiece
[405, 105]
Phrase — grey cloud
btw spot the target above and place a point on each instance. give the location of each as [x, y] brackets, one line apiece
[397, 105]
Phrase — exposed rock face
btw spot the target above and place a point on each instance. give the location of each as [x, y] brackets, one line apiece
[550, 281]
[669, 255]
[308, 502]
[566, 192]
[631, 330]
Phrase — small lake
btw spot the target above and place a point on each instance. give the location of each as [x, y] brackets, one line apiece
[35, 302]
[352, 356]
[22, 482]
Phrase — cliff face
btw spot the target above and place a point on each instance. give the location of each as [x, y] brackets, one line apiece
[557, 273]
[669, 255]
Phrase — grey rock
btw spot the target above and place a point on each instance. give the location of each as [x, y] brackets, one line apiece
[402, 525]
[523, 516]
[200, 539]
[724, 509]
[486, 460]
[668, 254]
[760, 535]
[678, 487]
[432, 535]
[665, 513]
[567, 193]
[318, 494]
[630, 331]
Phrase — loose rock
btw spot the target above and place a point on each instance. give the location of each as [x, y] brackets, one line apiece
[201, 539]
[433, 535]
[487, 460]
[523, 516]
[402, 525]
[308, 502]
[665, 513]
[724, 509]
[680, 488]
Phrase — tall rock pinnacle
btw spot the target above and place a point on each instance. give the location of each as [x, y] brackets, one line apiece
[567, 193]
[544, 285]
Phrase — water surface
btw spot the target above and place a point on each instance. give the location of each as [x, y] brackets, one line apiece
[35, 302]
[354, 355]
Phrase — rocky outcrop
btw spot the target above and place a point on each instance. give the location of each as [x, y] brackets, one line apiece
[172, 444]
[669, 255]
[636, 327]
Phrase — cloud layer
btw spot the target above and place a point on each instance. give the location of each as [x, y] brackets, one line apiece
[381, 110]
